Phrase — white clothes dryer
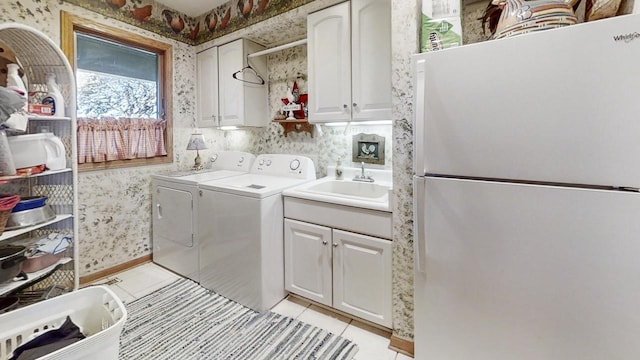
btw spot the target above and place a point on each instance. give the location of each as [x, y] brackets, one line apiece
[240, 222]
[174, 211]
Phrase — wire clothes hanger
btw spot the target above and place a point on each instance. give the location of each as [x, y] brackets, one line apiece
[258, 81]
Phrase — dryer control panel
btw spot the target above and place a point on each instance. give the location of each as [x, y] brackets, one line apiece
[295, 166]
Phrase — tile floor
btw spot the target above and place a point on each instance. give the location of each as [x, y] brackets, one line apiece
[373, 343]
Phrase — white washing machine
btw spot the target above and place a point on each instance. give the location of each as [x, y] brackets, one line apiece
[174, 211]
[240, 223]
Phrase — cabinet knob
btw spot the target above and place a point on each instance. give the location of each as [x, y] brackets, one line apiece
[335, 244]
[355, 105]
[324, 242]
[200, 192]
[345, 108]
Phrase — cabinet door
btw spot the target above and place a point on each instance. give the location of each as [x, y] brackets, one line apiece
[329, 64]
[207, 81]
[362, 276]
[371, 59]
[230, 60]
[307, 257]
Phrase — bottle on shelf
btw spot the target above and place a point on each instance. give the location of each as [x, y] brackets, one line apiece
[14, 81]
[54, 97]
[17, 120]
[7, 166]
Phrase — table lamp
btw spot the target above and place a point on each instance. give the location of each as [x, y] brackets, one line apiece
[196, 142]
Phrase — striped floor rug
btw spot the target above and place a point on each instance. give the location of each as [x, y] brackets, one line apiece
[186, 321]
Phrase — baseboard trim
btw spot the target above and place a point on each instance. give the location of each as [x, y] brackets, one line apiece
[401, 345]
[345, 314]
[112, 270]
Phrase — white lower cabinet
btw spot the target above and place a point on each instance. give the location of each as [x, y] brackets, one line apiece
[307, 257]
[348, 271]
[362, 276]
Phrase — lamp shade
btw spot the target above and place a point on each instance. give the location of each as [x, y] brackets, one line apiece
[196, 142]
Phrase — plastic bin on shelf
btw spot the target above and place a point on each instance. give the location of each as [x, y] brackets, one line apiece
[96, 310]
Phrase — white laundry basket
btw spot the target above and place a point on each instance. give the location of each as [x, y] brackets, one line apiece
[96, 310]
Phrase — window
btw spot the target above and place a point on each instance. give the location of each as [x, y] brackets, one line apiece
[123, 95]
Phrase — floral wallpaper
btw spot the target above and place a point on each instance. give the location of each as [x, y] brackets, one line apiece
[335, 142]
[327, 145]
[237, 14]
[404, 40]
[171, 23]
[115, 205]
[114, 218]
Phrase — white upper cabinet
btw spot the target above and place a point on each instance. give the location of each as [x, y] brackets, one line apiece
[207, 82]
[349, 61]
[371, 59]
[329, 64]
[243, 102]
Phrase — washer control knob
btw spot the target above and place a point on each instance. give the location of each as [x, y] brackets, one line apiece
[268, 162]
[214, 157]
[241, 160]
[261, 162]
[294, 164]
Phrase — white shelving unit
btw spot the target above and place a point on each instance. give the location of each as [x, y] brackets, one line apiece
[5, 179]
[10, 234]
[8, 287]
[49, 118]
[39, 56]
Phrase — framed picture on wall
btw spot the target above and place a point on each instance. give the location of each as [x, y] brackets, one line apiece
[368, 148]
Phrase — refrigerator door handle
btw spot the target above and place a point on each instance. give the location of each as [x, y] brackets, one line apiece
[419, 168]
[419, 233]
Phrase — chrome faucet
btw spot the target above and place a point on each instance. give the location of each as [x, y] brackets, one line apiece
[362, 176]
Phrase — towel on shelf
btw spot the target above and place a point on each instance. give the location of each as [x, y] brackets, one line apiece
[53, 243]
[17, 121]
[10, 102]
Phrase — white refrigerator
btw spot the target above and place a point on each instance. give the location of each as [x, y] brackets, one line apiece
[526, 203]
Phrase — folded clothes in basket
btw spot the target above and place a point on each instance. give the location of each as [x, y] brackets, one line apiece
[54, 243]
[50, 341]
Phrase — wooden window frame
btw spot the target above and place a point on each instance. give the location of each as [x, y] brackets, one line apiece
[70, 23]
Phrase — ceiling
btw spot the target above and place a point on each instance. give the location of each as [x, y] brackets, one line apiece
[192, 8]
